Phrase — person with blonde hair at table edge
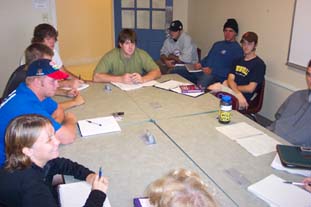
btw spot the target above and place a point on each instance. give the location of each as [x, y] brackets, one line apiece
[180, 188]
[32, 161]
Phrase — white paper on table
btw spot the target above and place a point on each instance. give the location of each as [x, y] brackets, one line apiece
[76, 194]
[108, 124]
[276, 164]
[259, 144]
[275, 192]
[239, 130]
[129, 87]
[170, 84]
[80, 87]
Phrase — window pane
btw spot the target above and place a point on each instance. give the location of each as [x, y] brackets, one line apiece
[158, 4]
[143, 4]
[128, 19]
[127, 3]
[143, 20]
[158, 20]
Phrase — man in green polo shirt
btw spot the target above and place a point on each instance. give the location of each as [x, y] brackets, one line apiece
[126, 64]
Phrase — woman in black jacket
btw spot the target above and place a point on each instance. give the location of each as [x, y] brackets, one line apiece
[32, 161]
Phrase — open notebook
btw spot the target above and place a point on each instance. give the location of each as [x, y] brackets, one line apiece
[98, 125]
[76, 194]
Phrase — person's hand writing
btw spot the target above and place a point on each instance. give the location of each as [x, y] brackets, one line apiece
[100, 184]
[243, 105]
[136, 78]
[307, 184]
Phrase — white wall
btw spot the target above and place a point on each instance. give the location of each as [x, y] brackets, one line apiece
[18, 18]
[180, 12]
[271, 20]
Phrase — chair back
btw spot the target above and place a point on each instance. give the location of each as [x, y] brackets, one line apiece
[199, 54]
[255, 105]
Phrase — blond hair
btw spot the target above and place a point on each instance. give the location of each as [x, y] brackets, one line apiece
[180, 188]
[23, 131]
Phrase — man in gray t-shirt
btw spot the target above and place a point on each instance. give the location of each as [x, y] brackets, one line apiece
[294, 116]
[177, 48]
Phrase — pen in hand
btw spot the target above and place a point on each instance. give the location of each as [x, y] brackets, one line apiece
[100, 172]
[92, 122]
[296, 183]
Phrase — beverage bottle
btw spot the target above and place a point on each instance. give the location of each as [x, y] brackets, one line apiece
[225, 108]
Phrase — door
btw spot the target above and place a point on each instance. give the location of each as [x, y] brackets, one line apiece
[149, 18]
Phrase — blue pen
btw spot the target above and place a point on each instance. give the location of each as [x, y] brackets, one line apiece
[100, 172]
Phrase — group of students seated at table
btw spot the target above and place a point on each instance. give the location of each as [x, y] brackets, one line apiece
[32, 124]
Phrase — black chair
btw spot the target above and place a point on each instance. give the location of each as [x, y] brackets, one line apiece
[17, 77]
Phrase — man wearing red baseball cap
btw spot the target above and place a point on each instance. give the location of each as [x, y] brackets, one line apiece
[34, 97]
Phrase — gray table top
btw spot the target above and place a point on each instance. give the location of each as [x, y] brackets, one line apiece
[131, 164]
[186, 137]
[224, 160]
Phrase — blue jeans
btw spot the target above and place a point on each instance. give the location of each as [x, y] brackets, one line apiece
[199, 78]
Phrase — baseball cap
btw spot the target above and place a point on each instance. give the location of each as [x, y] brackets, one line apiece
[175, 26]
[46, 67]
[250, 37]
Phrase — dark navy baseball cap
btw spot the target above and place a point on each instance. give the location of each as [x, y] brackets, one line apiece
[46, 67]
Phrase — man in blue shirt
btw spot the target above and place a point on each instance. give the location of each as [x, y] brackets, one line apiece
[219, 61]
[33, 97]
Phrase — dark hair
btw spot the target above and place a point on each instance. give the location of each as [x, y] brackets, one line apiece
[309, 64]
[23, 131]
[36, 51]
[42, 31]
[127, 34]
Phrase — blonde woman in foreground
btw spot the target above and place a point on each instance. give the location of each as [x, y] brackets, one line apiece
[180, 188]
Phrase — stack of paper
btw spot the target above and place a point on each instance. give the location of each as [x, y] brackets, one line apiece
[275, 192]
[98, 126]
[173, 85]
[253, 140]
[276, 164]
[129, 87]
[76, 194]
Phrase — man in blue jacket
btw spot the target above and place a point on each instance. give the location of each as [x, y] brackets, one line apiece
[219, 61]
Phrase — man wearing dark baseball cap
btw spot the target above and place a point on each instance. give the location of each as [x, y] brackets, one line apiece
[177, 48]
[34, 97]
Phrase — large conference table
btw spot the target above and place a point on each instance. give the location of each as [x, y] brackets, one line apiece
[184, 128]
